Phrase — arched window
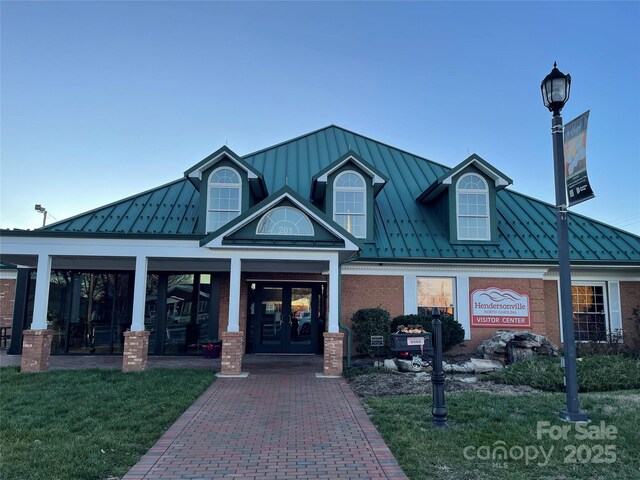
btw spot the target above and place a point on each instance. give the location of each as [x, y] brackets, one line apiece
[350, 203]
[224, 197]
[473, 208]
[284, 221]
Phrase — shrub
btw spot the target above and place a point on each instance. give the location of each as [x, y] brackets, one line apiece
[352, 372]
[370, 321]
[452, 331]
[596, 373]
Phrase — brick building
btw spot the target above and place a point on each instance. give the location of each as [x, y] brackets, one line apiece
[275, 250]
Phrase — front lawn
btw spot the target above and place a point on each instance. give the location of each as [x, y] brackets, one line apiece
[88, 424]
[495, 436]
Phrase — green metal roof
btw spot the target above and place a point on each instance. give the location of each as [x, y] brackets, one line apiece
[169, 209]
[405, 229]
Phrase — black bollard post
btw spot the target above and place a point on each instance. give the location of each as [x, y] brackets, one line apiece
[437, 376]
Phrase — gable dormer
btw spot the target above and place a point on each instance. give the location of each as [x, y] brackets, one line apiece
[465, 199]
[286, 220]
[228, 187]
[346, 191]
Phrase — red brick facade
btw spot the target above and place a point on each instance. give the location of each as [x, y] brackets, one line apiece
[333, 353]
[368, 291]
[36, 349]
[629, 299]
[232, 352]
[134, 357]
[7, 298]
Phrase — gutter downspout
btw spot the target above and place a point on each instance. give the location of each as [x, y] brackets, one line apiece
[340, 325]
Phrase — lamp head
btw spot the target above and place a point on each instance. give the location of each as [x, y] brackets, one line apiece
[555, 90]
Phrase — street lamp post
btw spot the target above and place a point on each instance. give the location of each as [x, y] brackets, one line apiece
[439, 411]
[555, 93]
[39, 208]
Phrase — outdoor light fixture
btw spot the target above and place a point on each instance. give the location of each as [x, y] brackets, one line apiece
[555, 90]
[555, 93]
[40, 209]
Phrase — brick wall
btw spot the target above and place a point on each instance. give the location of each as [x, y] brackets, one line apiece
[134, 357]
[629, 298]
[333, 352]
[552, 310]
[36, 348]
[7, 298]
[360, 291]
[232, 351]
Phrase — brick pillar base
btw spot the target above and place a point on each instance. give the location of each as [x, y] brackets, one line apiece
[232, 351]
[36, 349]
[333, 353]
[134, 357]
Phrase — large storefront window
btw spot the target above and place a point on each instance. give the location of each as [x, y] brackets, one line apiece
[177, 312]
[89, 311]
[589, 313]
[436, 292]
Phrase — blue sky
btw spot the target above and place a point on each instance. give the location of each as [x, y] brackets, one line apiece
[101, 100]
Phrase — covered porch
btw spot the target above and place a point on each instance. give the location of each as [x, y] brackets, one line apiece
[230, 272]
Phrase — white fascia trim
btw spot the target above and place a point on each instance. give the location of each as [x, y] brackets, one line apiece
[92, 247]
[375, 179]
[443, 270]
[198, 173]
[595, 275]
[217, 241]
[8, 275]
[498, 180]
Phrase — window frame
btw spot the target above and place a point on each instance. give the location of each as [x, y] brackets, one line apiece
[453, 306]
[263, 218]
[211, 185]
[486, 217]
[605, 309]
[362, 189]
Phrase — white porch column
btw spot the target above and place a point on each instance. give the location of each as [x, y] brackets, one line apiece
[334, 295]
[234, 295]
[139, 294]
[41, 300]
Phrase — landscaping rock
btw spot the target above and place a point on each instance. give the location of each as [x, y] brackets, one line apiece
[481, 365]
[508, 346]
[391, 364]
[404, 365]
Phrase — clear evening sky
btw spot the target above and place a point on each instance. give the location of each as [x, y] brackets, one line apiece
[102, 100]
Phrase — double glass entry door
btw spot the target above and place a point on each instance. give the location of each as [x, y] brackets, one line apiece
[287, 317]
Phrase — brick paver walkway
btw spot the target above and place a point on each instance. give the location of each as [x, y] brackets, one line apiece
[279, 423]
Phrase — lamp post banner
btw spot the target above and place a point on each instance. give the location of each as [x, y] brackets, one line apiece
[575, 160]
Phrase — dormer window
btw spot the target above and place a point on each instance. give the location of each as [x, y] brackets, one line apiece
[350, 203]
[224, 197]
[472, 194]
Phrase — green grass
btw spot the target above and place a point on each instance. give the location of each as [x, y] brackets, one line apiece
[596, 373]
[87, 424]
[482, 419]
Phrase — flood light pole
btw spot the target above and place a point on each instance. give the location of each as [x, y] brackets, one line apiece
[555, 93]
[39, 208]
[439, 412]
